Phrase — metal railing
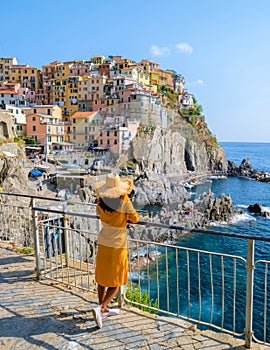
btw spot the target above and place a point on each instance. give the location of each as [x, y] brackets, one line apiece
[212, 288]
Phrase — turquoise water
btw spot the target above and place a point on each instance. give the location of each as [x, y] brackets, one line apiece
[243, 192]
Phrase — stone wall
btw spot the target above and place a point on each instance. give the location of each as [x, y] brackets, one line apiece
[6, 126]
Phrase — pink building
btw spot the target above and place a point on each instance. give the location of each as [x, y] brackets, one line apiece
[45, 129]
[117, 138]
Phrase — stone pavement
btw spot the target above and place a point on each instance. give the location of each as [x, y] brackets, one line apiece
[42, 315]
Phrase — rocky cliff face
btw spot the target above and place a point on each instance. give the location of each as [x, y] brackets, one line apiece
[185, 145]
[13, 176]
[156, 189]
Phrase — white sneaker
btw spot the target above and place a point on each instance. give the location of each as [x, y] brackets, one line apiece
[97, 316]
[111, 312]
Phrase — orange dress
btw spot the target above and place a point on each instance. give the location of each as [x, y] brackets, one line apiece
[112, 255]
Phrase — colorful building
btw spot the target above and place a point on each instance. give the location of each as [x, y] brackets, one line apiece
[5, 64]
[85, 127]
[117, 137]
[90, 89]
[45, 129]
[29, 77]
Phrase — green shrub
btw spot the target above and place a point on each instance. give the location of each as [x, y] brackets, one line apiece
[141, 297]
[25, 250]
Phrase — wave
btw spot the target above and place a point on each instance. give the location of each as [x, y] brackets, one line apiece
[242, 217]
[266, 209]
[242, 206]
[236, 219]
[218, 224]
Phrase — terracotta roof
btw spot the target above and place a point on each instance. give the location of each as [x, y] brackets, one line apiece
[83, 114]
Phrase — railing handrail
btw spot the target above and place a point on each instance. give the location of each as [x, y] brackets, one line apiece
[158, 225]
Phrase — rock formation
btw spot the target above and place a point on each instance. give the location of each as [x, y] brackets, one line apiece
[156, 189]
[257, 208]
[246, 169]
[179, 148]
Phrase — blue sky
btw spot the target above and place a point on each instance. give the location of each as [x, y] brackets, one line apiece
[221, 47]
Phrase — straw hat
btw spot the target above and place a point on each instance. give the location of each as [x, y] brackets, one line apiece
[113, 186]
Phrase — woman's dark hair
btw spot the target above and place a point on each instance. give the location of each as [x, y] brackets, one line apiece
[109, 204]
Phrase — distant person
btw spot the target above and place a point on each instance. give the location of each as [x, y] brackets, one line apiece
[39, 186]
[115, 211]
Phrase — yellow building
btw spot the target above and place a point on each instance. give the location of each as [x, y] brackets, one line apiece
[143, 77]
[5, 64]
[61, 82]
[98, 60]
[85, 127]
[29, 77]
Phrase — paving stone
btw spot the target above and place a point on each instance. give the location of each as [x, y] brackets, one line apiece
[38, 315]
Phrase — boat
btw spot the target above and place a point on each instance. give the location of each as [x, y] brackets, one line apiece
[74, 168]
[189, 185]
[217, 177]
[44, 168]
[35, 173]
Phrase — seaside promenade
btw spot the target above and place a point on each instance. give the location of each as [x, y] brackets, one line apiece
[41, 315]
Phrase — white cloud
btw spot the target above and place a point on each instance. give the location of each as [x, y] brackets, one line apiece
[184, 47]
[159, 51]
[198, 82]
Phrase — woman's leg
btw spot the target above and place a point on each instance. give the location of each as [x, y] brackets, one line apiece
[110, 294]
[101, 293]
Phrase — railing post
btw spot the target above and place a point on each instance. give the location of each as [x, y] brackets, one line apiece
[66, 237]
[121, 296]
[249, 294]
[36, 239]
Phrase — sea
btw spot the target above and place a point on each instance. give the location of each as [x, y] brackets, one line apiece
[243, 192]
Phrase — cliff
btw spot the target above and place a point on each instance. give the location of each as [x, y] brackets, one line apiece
[186, 144]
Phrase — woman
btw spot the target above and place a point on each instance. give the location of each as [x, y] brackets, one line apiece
[115, 210]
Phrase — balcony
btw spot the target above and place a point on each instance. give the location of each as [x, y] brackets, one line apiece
[166, 274]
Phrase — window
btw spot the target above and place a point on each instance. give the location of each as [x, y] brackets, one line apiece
[115, 142]
[108, 142]
[85, 120]
[85, 129]
[86, 137]
[34, 128]
[49, 139]
[101, 142]
[115, 133]
[74, 137]
[48, 111]
[35, 111]
[108, 133]
[33, 119]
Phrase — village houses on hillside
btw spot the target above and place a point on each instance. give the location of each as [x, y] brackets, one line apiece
[87, 104]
